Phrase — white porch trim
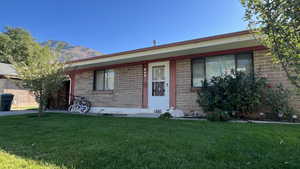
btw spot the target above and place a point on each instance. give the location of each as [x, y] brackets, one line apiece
[119, 110]
[133, 111]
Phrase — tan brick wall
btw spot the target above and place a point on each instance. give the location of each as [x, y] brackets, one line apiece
[185, 97]
[129, 81]
[127, 90]
[274, 73]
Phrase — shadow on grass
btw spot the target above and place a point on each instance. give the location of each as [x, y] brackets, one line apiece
[36, 115]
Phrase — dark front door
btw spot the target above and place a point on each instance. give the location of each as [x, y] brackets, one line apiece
[60, 100]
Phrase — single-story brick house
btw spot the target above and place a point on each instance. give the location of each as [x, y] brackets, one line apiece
[168, 76]
[8, 84]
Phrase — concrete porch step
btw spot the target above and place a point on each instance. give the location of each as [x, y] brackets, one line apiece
[144, 115]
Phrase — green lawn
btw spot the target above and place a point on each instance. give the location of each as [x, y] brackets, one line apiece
[25, 108]
[73, 141]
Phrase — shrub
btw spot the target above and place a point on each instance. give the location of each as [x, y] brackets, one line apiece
[165, 115]
[277, 98]
[238, 92]
[242, 94]
[218, 115]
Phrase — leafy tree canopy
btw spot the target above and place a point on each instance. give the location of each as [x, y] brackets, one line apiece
[36, 65]
[16, 44]
[277, 22]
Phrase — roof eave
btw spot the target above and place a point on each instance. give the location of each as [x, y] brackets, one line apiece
[214, 43]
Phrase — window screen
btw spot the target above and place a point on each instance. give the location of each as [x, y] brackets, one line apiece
[212, 66]
[104, 79]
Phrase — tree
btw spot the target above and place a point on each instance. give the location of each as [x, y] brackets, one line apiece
[16, 44]
[277, 23]
[38, 68]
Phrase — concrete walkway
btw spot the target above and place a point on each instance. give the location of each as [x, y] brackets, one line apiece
[16, 112]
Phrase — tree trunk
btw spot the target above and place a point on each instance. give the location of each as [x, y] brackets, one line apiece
[40, 111]
[41, 104]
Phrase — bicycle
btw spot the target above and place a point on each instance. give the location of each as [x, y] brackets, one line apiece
[80, 105]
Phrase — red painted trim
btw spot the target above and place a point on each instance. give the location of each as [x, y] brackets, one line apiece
[145, 86]
[80, 70]
[173, 83]
[230, 51]
[227, 35]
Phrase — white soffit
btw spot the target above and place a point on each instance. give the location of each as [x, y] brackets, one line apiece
[205, 46]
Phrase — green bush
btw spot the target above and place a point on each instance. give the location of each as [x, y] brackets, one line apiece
[277, 98]
[165, 115]
[243, 94]
[239, 92]
[218, 115]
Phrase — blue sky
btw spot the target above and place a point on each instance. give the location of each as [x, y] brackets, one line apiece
[117, 25]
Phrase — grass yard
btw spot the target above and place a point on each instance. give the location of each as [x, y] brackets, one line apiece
[25, 108]
[74, 141]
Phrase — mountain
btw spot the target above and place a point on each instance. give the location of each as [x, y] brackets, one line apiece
[69, 51]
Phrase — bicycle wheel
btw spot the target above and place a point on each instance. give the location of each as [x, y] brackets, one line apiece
[78, 108]
[71, 108]
[85, 106]
[84, 109]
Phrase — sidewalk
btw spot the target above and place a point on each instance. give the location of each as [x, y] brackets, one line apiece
[16, 112]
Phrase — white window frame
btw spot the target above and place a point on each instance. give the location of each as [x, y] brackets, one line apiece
[104, 80]
[235, 65]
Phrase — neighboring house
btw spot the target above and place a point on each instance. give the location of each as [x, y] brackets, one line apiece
[8, 80]
[168, 76]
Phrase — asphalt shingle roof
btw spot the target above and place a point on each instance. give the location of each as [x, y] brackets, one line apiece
[7, 70]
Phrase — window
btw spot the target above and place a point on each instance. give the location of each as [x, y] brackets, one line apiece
[198, 69]
[158, 80]
[244, 63]
[104, 79]
[206, 68]
[219, 65]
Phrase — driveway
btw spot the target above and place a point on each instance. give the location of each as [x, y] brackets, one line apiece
[16, 112]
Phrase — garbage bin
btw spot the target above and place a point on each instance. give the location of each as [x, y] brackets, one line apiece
[5, 101]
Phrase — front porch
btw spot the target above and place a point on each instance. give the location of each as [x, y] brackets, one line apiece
[134, 112]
